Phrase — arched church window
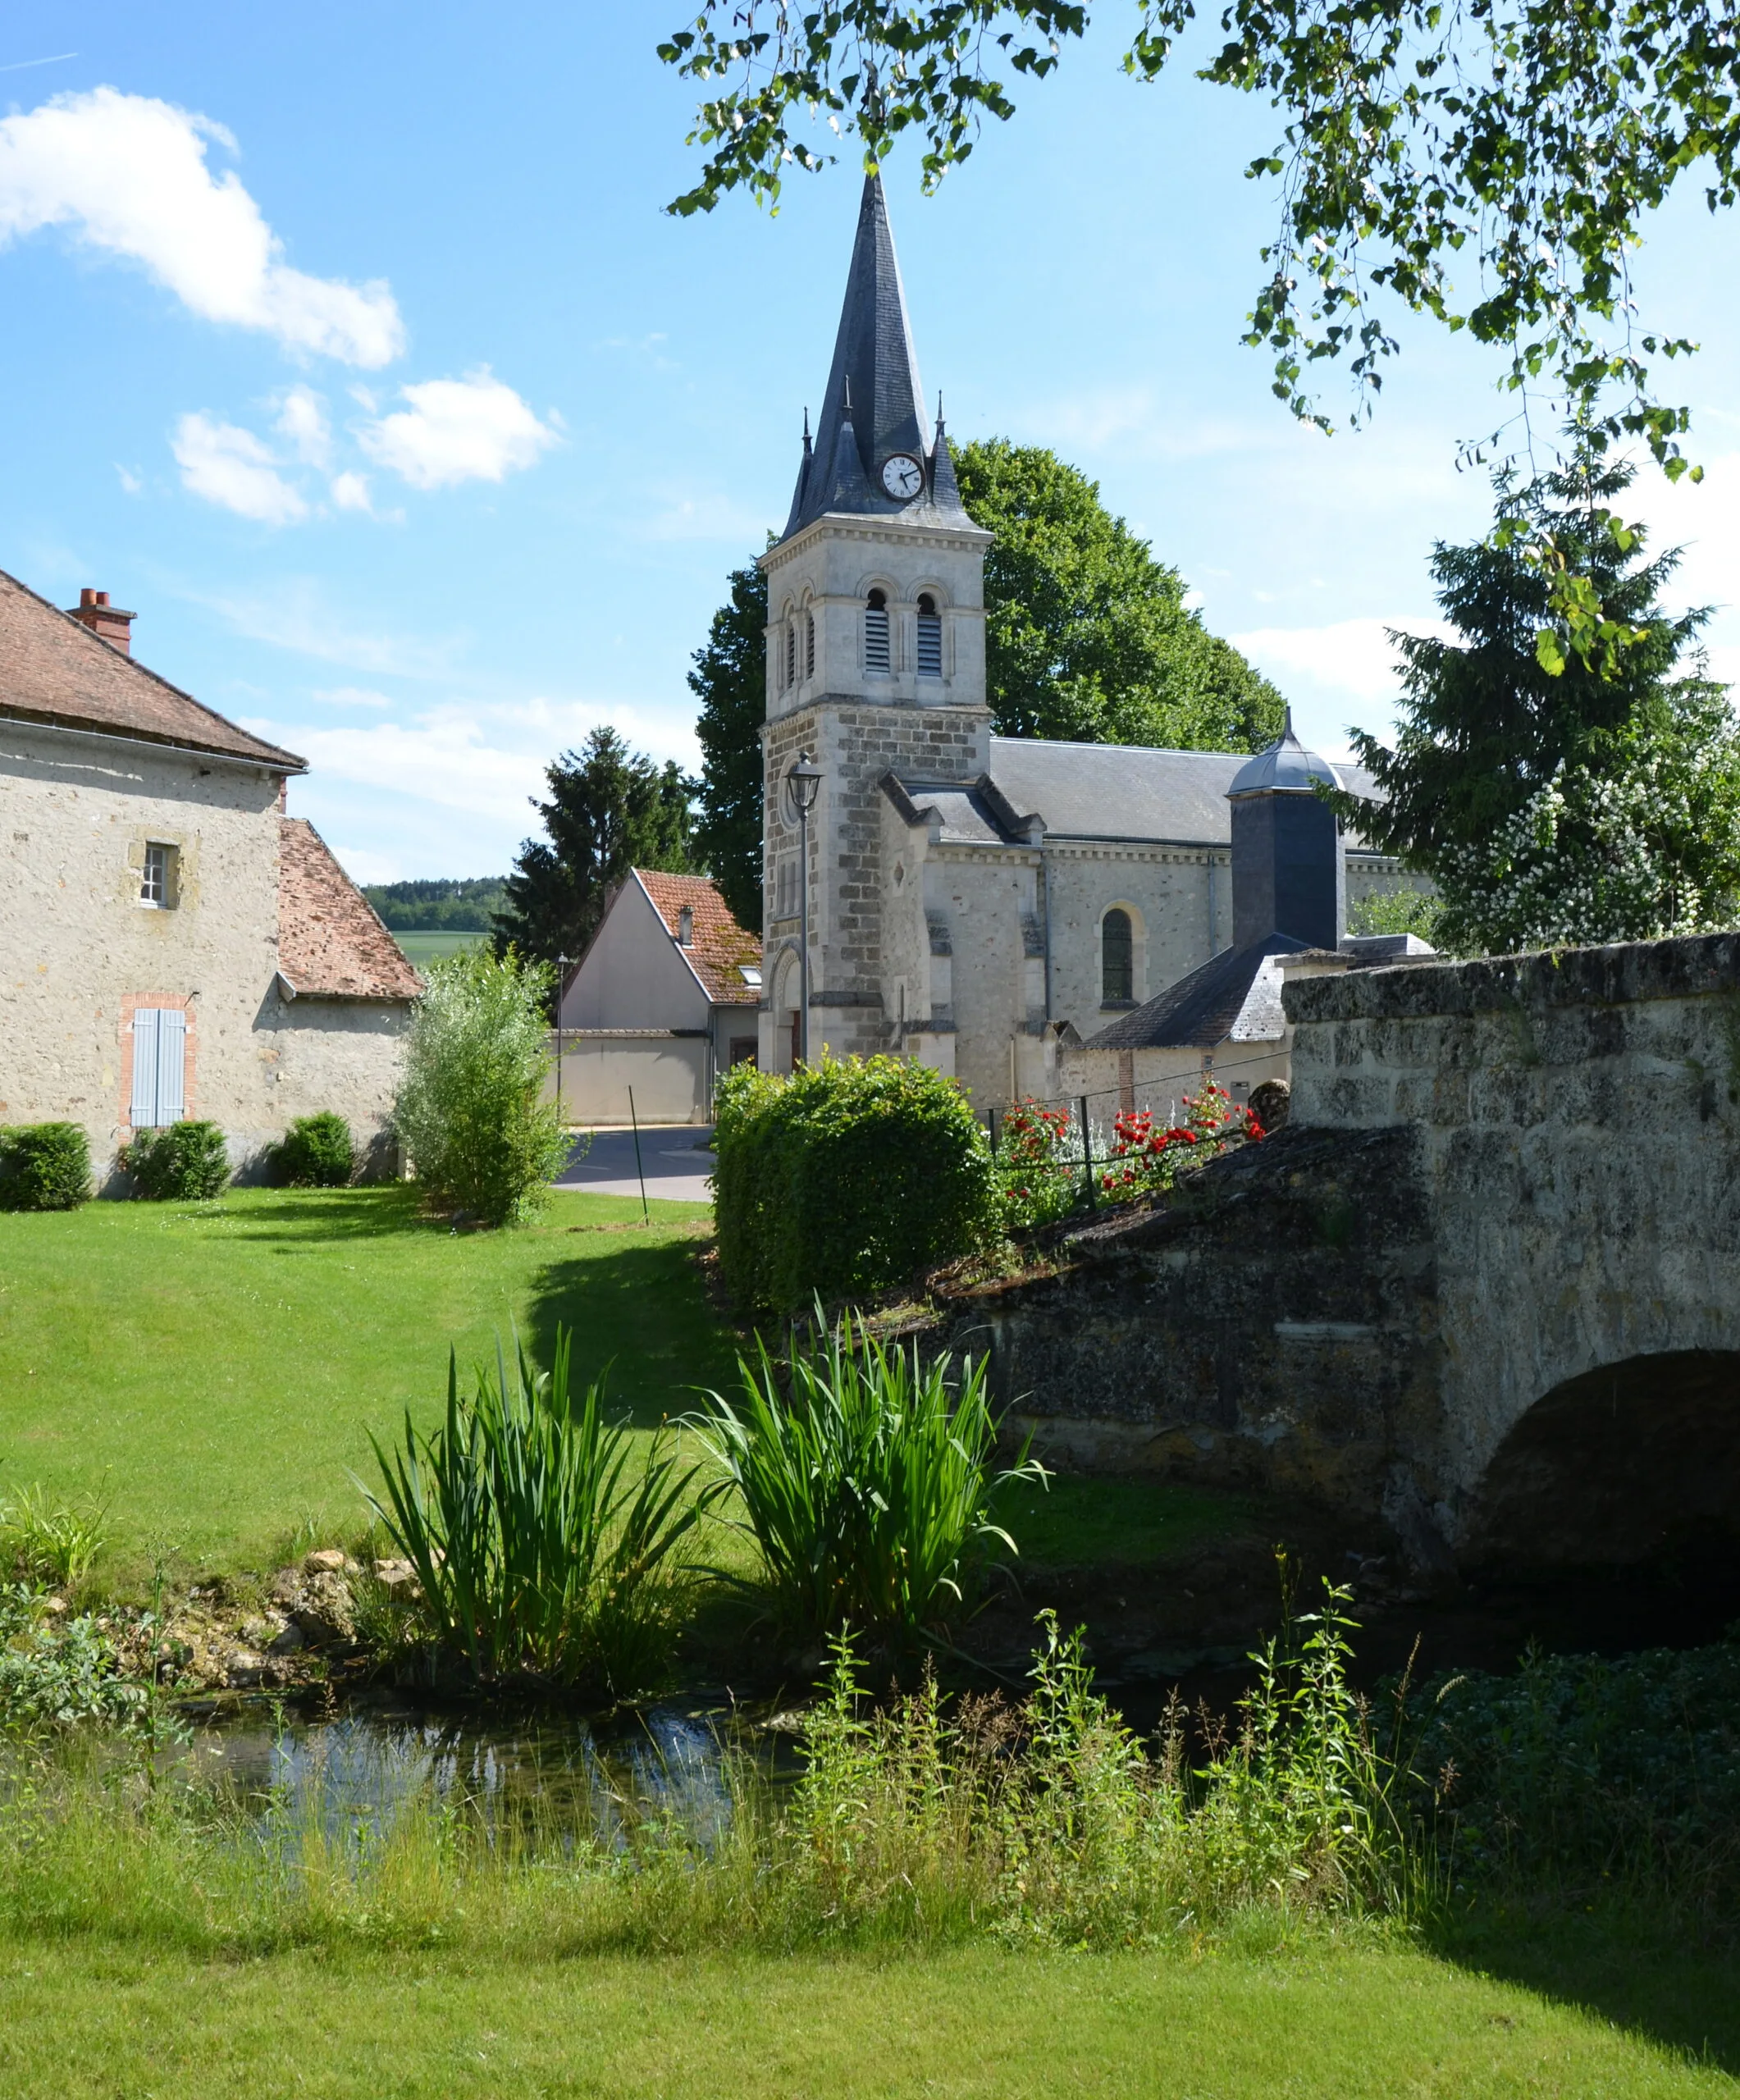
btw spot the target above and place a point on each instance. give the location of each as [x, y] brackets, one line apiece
[1117, 962]
[876, 632]
[930, 638]
[809, 645]
[791, 650]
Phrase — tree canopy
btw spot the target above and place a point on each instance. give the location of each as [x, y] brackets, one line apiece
[610, 808]
[729, 679]
[1559, 780]
[1087, 637]
[1490, 166]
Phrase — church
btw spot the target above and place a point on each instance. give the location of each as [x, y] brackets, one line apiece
[988, 905]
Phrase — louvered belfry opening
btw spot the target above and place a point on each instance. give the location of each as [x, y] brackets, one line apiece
[930, 638]
[876, 632]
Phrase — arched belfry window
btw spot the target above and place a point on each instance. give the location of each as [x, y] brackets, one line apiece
[876, 632]
[1117, 961]
[809, 645]
[930, 638]
[791, 650]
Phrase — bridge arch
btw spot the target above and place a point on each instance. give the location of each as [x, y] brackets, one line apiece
[1634, 1462]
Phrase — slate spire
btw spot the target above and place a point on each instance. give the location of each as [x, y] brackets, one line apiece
[874, 405]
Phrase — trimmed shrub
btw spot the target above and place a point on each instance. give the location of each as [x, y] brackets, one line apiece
[44, 1167]
[469, 1108]
[315, 1152]
[852, 1175]
[180, 1163]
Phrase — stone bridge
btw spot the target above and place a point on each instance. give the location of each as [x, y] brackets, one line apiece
[1483, 1290]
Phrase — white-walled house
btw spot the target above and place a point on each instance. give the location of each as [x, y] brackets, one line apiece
[663, 1001]
[171, 944]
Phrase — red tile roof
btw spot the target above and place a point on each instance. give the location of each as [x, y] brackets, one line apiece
[719, 948]
[331, 944]
[53, 669]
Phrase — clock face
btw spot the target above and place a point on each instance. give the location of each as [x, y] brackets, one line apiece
[902, 476]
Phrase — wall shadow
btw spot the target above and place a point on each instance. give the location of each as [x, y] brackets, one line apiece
[1662, 1986]
[639, 1304]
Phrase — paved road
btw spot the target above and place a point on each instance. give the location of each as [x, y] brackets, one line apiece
[675, 1158]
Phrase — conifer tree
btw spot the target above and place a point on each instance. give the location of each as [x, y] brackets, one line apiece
[729, 679]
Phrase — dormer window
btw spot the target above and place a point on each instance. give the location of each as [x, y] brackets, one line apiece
[876, 632]
[157, 881]
[930, 638]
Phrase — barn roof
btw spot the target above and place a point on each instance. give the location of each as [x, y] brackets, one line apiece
[330, 943]
[719, 949]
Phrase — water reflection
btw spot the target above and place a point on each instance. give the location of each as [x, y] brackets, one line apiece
[540, 1777]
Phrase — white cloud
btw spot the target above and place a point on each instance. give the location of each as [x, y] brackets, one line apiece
[230, 467]
[350, 492]
[458, 429]
[132, 484]
[364, 866]
[350, 696]
[129, 174]
[1356, 656]
[303, 425]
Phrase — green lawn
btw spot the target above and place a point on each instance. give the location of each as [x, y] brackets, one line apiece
[77, 2022]
[425, 948]
[216, 1368]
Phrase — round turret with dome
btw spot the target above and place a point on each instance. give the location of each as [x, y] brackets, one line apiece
[1285, 768]
[1288, 872]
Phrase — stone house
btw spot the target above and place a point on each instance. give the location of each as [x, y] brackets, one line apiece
[979, 902]
[171, 944]
[663, 1001]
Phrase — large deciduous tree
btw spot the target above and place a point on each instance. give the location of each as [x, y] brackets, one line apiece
[610, 808]
[729, 679]
[1561, 778]
[1489, 165]
[1087, 637]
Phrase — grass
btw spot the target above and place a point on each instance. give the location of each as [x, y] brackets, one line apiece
[215, 1369]
[77, 2022]
[425, 948]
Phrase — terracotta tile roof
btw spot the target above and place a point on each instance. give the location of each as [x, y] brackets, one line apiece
[719, 948]
[331, 944]
[53, 669]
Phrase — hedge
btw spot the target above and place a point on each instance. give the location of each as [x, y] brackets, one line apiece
[852, 1175]
[181, 1162]
[44, 1167]
[317, 1152]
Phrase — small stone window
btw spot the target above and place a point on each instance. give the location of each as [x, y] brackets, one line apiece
[157, 881]
[876, 632]
[930, 638]
[1117, 969]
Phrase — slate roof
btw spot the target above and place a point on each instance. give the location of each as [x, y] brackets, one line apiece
[874, 403]
[330, 943]
[1129, 791]
[719, 948]
[1235, 993]
[971, 812]
[55, 670]
[1284, 768]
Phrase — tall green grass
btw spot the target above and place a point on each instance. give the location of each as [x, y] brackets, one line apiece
[865, 1477]
[546, 1542]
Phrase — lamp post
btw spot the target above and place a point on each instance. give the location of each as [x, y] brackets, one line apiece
[803, 782]
[561, 987]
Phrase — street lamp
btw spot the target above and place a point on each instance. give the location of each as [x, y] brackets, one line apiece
[803, 782]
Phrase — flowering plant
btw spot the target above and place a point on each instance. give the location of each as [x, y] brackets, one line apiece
[1039, 1172]
[1144, 1159]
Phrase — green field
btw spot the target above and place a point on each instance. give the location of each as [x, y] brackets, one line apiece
[425, 948]
[79, 2021]
[216, 1368]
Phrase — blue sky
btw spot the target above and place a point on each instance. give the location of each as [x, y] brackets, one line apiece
[350, 347]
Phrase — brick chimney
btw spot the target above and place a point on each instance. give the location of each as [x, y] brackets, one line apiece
[107, 622]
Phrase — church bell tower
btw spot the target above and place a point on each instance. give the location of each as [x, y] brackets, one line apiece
[875, 658]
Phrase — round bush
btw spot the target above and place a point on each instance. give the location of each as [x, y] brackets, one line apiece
[182, 1162]
[44, 1167]
[852, 1175]
[315, 1152]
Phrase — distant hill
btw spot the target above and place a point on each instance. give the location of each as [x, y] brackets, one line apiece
[434, 907]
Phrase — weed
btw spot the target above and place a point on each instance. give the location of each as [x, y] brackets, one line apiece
[52, 1541]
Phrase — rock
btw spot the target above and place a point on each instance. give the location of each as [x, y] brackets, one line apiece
[245, 1670]
[286, 1586]
[55, 1606]
[392, 1573]
[290, 1640]
[327, 1560]
[323, 1611]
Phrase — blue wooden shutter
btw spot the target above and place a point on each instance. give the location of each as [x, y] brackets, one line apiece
[143, 1115]
[171, 1065]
